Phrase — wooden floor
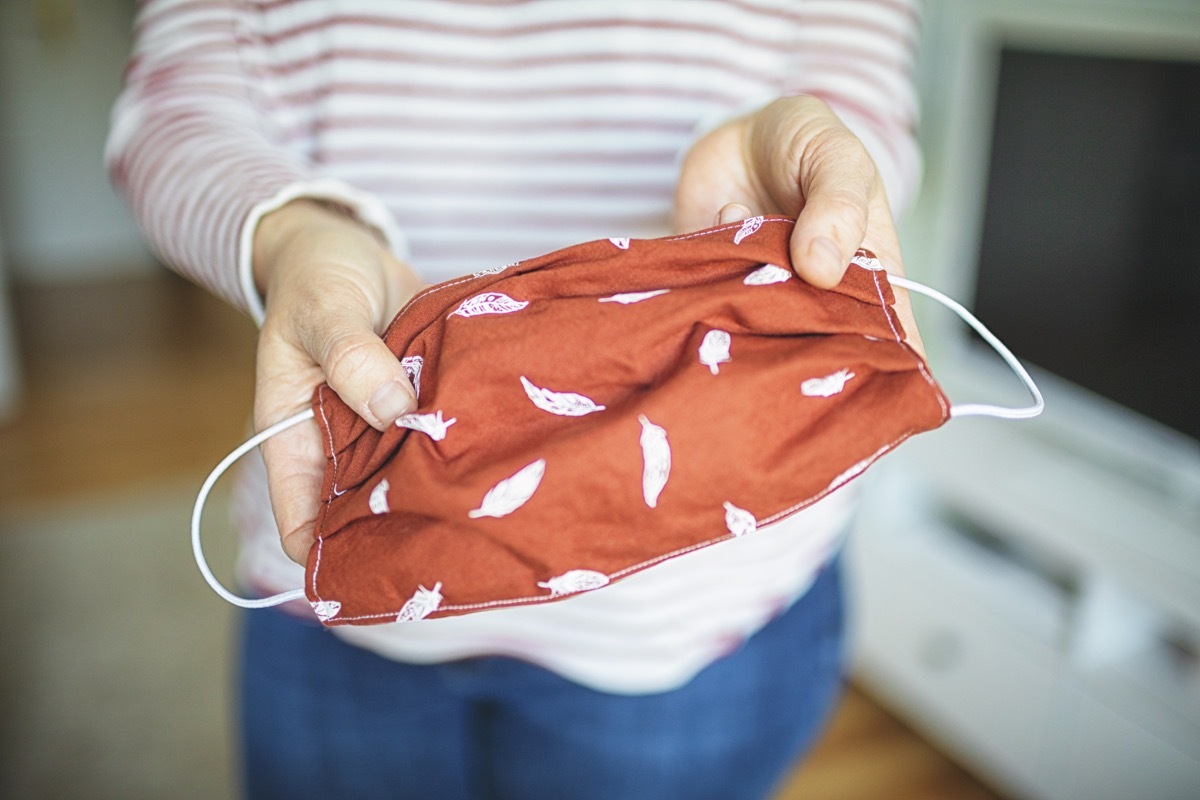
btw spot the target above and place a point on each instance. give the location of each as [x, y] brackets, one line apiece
[135, 382]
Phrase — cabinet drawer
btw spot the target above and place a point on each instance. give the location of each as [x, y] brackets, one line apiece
[927, 640]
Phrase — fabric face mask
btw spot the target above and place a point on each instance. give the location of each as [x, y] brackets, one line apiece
[595, 411]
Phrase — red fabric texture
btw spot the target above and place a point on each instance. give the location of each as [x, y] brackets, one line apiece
[814, 387]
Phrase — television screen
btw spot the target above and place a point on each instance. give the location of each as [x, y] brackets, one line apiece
[1089, 263]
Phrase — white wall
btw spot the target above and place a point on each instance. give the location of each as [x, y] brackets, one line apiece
[60, 70]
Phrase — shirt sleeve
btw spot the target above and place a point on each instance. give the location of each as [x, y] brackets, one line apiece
[859, 57]
[196, 153]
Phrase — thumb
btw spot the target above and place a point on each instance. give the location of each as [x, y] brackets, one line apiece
[833, 222]
[366, 376]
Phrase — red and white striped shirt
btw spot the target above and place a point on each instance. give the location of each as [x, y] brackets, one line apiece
[476, 133]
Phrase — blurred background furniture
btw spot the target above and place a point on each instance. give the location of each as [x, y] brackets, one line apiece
[60, 67]
[1030, 592]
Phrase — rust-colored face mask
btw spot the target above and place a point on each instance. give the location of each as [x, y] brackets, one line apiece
[598, 410]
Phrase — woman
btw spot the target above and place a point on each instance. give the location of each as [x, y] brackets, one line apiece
[317, 162]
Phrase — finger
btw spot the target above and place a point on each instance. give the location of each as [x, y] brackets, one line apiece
[295, 468]
[731, 212]
[365, 374]
[838, 182]
[710, 178]
[294, 458]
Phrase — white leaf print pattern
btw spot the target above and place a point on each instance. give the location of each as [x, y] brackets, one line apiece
[739, 521]
[767, 274]
[827, 386]
[714, 350]
[511, 493]
[749, 226]
[326, 609]
[412, 367]
[633, 297]
[623, 243]
[564, 404]
[488, 303]
[378, 502]
[867, 262]
[656, 460]
[423, 603]
[431, 424]
[576, 580]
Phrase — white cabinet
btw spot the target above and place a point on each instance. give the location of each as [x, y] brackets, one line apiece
[1115, 757]
[1028, 594]
[1048, 656]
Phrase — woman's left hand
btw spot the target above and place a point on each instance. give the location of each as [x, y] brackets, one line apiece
[796, 158]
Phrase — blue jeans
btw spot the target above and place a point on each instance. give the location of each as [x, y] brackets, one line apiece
[321, 718]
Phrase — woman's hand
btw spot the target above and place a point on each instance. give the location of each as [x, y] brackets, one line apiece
[330, 287]
[795, 157]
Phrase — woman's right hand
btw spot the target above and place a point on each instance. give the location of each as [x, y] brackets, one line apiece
[330, 286]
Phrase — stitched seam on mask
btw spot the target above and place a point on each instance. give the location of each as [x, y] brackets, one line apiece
[321, 539]
[883, 304]
[721, 229]
[680, 238]
[771, 519]
[329, 438]
[611, 576]
[627, 570]
[467, 278]
[700, 545]
[515, 601]
[711, 232]
[666, 556]
[673, 554]
[933, 385]
[828, 490]
[427, 293]
[333, 452]
[921, 362]
[317, 568]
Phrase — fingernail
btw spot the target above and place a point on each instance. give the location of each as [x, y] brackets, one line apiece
[732, 212]
[390, 401]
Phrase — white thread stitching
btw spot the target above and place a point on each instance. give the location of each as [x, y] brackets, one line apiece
[333, 489]
[317, 567]
[919, 361]
[329, 438]
[721, 229]
[666, 556]
[883, 305]
[467, 278]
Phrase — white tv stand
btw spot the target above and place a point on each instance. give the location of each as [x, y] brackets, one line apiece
[1019, 600]
[1048, 639]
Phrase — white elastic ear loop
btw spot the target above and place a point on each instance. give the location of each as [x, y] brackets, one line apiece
[979, 409]
[198, 509]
